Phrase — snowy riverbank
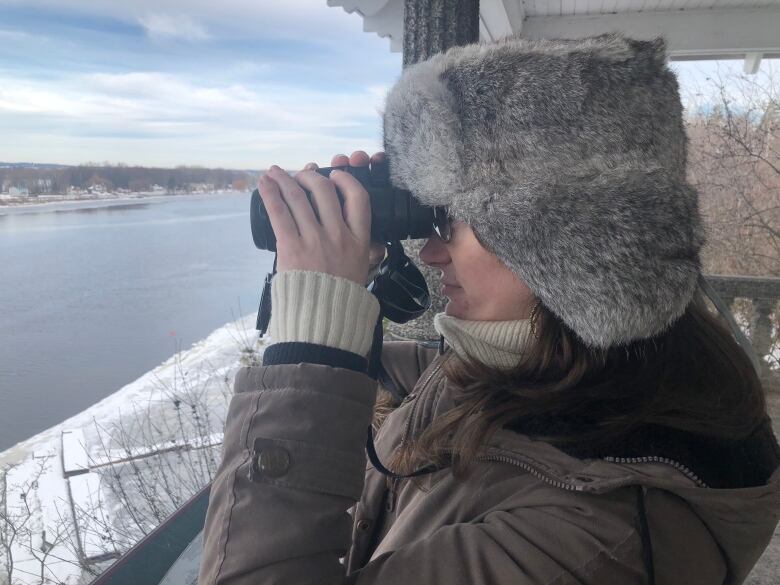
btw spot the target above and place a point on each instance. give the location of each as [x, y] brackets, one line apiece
[80, 493]
[11, 206]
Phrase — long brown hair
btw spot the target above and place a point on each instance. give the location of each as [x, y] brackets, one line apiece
[693, 377]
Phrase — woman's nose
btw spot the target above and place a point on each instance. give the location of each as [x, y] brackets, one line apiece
[434, 252]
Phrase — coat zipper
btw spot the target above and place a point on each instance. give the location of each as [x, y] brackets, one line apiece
[575, 488]
[390, 505]
[656, 459]
[567, 486]
[532, 470]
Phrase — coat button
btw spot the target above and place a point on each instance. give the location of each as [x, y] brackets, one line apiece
[273, 461]
[410, 397]
[363, 525]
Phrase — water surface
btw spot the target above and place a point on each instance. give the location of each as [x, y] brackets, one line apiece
[92, 298]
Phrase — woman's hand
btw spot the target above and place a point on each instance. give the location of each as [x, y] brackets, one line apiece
[323, 236]
[378, 165]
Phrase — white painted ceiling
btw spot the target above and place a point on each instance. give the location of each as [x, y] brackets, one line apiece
[694, 29]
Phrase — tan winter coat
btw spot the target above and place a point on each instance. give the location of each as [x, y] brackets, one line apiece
[294, 464]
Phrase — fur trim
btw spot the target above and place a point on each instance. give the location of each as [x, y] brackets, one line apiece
[567, 158]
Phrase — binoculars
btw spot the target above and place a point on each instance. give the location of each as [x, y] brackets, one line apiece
[395, 214]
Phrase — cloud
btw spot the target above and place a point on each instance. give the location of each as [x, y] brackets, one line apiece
[301, 19]
[163, 26]
[239, 83]
[158, 118]
[14, 35]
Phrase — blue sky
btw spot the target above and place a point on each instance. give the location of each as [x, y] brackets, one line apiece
[235, 83]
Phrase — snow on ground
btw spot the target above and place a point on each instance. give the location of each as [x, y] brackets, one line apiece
[95, 483]
[220, 351]
[74, 456]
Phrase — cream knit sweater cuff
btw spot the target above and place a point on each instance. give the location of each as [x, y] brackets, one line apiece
[315, 307]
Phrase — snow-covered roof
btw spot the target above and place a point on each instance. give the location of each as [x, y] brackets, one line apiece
[694, 29]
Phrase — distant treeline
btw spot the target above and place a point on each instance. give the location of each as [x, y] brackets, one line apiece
[41, 181]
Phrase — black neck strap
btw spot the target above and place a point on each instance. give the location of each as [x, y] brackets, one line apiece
[264, 311]
[374, 458]
[374, 368]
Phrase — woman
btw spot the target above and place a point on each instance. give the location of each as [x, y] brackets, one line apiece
[584, 419]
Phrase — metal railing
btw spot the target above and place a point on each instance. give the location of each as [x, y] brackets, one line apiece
[151, 558]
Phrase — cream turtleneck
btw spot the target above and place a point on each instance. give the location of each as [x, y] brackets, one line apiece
[498, 344]
[315, 307]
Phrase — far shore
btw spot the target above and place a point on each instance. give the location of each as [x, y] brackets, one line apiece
[12, 206]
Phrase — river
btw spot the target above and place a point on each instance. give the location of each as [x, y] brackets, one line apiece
[93, 297]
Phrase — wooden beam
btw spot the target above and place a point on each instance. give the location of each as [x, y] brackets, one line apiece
[494, 20]
[752, 62]
[364, 7]
[387, 20]
[725, 33]
[690, 34]
[515, 11]
[484, 33]
[383, 17]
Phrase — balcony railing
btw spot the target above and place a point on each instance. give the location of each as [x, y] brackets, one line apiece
[150, 560]
[763, 294]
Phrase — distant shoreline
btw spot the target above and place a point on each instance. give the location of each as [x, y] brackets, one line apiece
[99, 202]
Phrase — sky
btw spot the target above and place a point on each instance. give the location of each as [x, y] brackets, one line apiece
[239, 84]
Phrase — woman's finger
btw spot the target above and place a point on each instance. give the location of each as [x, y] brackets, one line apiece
[311, 166]
[357, 206]
[282, 222]
[358, 159]
[296, 200]
[324, 199]
[339, 160]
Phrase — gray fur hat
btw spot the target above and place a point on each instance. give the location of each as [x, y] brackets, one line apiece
[567, 158]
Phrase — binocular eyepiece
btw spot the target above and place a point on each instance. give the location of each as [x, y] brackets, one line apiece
[395, 214]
